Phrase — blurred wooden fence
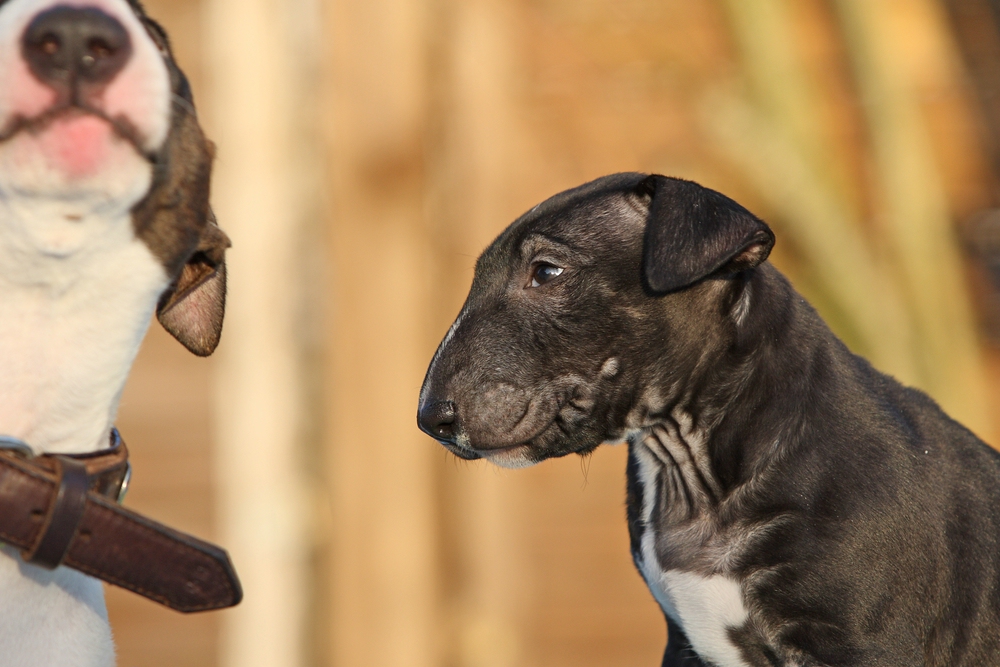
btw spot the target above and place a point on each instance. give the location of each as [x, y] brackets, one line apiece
[369, 150]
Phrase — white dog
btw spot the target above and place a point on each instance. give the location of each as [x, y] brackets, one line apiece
[104, 218]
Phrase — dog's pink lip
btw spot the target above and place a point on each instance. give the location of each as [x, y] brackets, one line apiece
[77, 143]
[42, 122]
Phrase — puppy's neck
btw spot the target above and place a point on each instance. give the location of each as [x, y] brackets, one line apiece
[781, 346]
[739, 406]
[76, 297]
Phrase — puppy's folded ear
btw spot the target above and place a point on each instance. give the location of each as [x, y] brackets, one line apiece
[693, 232]
[193, 308]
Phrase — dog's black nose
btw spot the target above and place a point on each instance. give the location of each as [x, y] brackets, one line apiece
[437, 419]
[66, 47]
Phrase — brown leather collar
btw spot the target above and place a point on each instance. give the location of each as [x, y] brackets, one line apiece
[108, 470]
[64, 510]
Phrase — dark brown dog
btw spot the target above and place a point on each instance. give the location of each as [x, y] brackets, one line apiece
[787, 504]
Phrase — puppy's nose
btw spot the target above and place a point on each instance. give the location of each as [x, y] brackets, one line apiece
[66, 47]
[437, 419]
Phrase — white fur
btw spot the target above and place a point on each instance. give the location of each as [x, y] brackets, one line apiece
[742, 308]
[441, 348]
[77, 290]
[451, 331]
[704, 607]
[512, 458]
[51, 618]
[70, 325]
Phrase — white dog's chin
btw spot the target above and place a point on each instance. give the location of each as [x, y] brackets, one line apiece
[76, 154]
[75, 170]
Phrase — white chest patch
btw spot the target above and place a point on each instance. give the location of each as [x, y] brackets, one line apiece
[70, 325]
[704, 607]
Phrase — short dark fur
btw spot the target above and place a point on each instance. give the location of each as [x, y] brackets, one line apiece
[176, 221]
[861, 521]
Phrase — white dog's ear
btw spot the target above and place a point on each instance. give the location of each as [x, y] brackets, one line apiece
[693, 233]
[193, 308]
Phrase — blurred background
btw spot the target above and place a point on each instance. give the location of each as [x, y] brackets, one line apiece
[369, 149]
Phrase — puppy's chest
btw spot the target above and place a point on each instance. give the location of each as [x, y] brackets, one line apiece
[680, 552]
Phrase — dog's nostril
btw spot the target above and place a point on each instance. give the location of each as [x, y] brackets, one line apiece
[438, 419]
[50, 45]
[99, 48]
[64, 46]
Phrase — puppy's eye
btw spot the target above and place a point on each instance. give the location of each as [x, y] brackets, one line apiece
[543, 273]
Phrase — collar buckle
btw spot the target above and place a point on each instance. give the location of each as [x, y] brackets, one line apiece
[109, 471]
[18, 447]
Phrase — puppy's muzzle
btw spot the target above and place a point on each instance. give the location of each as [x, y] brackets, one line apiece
[439, 419]
[75, 50]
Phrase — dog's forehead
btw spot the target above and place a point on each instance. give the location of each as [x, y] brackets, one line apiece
[578, 202]
[590, 212]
